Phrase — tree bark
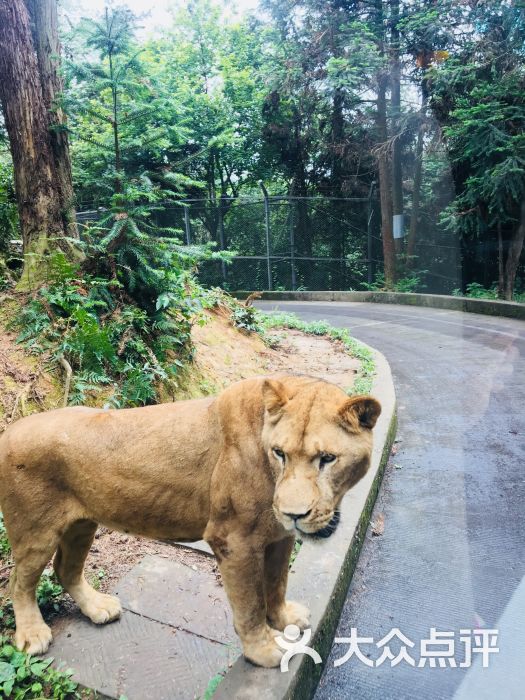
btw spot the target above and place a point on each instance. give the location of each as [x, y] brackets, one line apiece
[501, 264]
[514, 254]
[389, 253]
[28, 126]
[418, 180]
[383, 159]
[44, 25]
[397, 174]
[303, 233]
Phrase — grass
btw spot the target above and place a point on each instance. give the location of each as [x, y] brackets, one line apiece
[364, 378]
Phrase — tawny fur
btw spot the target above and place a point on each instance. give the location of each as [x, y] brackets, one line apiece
[183, 471]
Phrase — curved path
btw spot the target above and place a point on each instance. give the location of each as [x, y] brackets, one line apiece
[452, 555]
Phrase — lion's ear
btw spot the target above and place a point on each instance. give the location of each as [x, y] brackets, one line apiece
[359, 412]
[274, 397]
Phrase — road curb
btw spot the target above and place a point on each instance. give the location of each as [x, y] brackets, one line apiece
[322, 572]
[490, 307]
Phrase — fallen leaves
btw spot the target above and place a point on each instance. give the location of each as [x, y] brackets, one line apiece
[378, 525]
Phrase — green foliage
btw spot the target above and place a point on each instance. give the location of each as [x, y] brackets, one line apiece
[245, 318]
[97, 579]
[185, 105]
[8, 208]
[123, 318]
[48, 591]
[108, 340]
[410, 283]
[475, 290]
[23, 677]
[123, 322]
[295, 551]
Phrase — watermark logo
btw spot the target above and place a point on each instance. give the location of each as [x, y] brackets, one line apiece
[438, 650]
[295, 644]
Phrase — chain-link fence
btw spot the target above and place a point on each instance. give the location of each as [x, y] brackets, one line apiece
[294, 243]
[281, 242]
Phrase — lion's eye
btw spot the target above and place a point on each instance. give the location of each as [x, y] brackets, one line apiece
[326, 458]
[278, 453]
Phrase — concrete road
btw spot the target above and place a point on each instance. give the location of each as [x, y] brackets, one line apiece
[452, 555]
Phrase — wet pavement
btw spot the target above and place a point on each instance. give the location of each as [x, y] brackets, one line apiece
[452, 555]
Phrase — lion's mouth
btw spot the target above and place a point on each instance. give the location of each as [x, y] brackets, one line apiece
[325, 531]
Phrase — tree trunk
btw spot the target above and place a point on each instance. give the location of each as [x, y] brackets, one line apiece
[338, 232]
[27, 125]
[514, 254]
[383, 159]
[418, 179]
[303, 233]
[389, 253]
[416, 199]
[44, 25]
[397, 175]
[501, 265]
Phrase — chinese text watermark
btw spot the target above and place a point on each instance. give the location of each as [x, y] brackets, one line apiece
[441, 649]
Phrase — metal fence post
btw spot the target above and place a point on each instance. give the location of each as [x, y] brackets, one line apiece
[292, 244]
[267, 226]
[187, 224]
[221, 239]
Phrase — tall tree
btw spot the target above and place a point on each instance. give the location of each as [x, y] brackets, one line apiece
[383, 152]
[397, 172]
[478, 97]
[38, 186]
[44, 26]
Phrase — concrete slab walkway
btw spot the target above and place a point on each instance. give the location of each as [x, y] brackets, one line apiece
[174, 636]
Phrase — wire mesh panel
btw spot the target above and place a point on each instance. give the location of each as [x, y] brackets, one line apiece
[285, 242]
[304, 243]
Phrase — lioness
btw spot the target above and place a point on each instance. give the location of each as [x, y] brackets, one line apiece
[245, 470]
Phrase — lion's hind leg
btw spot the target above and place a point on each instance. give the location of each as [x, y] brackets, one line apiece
[69, 567]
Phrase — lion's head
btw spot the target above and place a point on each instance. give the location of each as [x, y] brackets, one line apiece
[319, 443]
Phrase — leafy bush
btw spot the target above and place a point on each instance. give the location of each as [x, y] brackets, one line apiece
[410, 283]
[245, 318]
[23, 676]
[122, 319]
[475, 290]
[478, 291]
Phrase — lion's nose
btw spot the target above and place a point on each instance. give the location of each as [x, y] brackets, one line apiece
[296, 516]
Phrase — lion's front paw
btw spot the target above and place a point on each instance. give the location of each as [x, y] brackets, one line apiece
[101, 608]
[291, 613]
[33, 639]
[265, 650]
